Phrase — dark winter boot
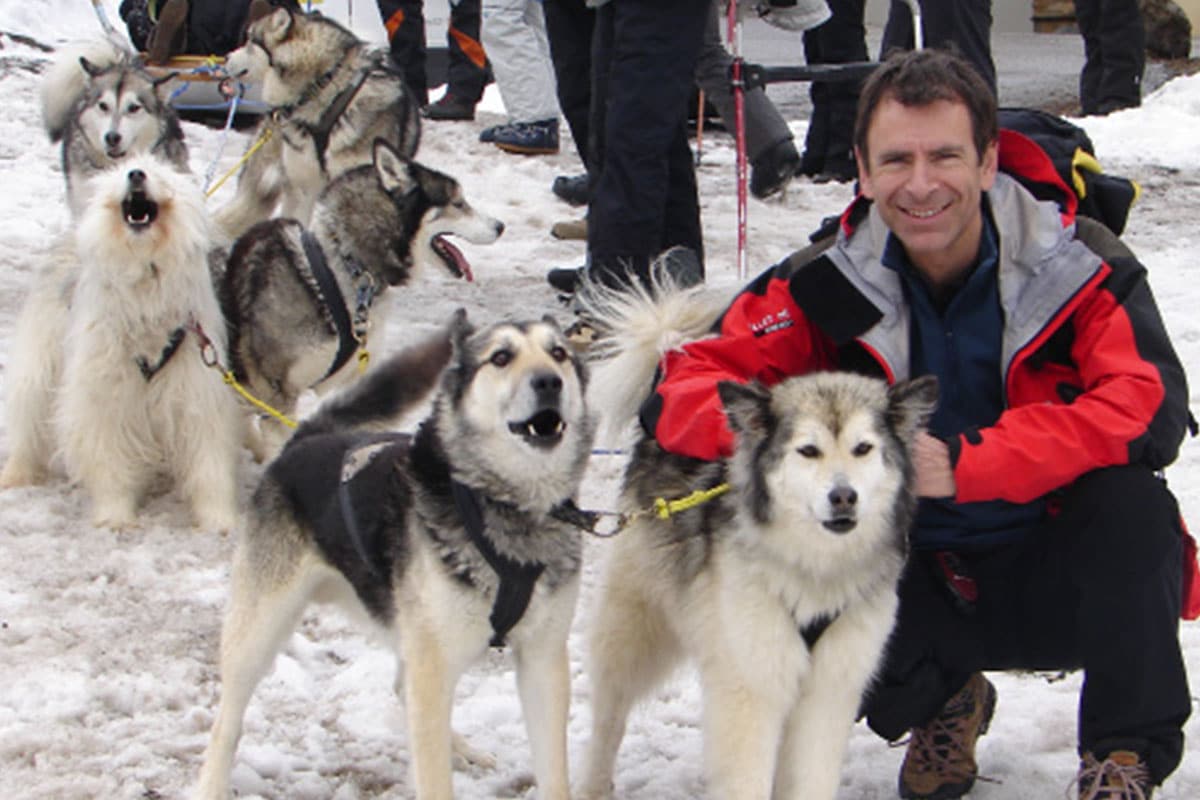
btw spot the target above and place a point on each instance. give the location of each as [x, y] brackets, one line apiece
[940, 762]
[1121, 776]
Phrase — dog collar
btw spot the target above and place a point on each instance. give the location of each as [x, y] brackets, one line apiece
[333, 300]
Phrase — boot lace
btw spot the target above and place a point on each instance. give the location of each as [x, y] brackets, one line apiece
[1122, 778]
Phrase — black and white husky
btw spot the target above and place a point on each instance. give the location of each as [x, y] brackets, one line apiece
[782, 591]
[301, 302]
[449, 540]
[106, 369]
[104, 106]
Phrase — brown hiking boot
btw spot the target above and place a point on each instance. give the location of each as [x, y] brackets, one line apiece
[1120, 776]
[940, 762]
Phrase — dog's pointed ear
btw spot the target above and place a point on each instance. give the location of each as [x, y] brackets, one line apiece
[911, 405]
[747, 407]
[394, 170]
[460, 329]
[158, 83]
[92, 70]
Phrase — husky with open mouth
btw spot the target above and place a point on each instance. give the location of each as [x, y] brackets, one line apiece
[107, 370]
[300, 302]
[449, 540]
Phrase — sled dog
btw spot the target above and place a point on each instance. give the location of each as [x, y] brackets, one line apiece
[300, 302]
[103, 106]
[106, 370]
[330, 96]
[448, 540]
[782, 591]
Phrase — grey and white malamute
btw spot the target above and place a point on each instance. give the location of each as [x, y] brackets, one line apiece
[103, 106]
[301, 302]
[330, 96]
[447, 540]
[782, 591]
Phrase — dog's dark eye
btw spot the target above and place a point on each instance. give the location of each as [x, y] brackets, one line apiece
[809, 451]
[559, 354]
[501, 358]
[862, 448]
[133, 108]
[461, 205]
[102, 106]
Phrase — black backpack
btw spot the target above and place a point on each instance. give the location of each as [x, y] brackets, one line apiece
[1105, 198]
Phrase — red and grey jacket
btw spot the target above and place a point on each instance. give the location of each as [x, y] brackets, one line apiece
[1090, 377]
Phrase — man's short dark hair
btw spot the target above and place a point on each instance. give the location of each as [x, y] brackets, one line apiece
[921, 77]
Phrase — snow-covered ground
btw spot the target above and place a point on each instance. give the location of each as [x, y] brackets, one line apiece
[108, 642]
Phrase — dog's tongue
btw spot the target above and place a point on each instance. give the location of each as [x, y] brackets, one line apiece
[452, 256]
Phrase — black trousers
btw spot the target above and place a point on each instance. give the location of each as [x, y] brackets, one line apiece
[569, 28]
[964, 26]
[1097, 587]
[644, 196]
[841, 39]
[1114, 49]
[467, 73]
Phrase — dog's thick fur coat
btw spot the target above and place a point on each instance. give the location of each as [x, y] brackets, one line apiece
[106, 370]
[374, 227]
[103, 106]
[782, 591]
[330, 97]
[351, 514]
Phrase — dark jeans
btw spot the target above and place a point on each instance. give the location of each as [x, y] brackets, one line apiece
[1114, 48]
[467, 73]
[643, 180]
[961, 25]
[1097, 587]
[569, 27]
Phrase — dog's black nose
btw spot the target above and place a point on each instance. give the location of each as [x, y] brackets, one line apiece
[547, 385]
[843, 499]
[136, 177]
[112, 138]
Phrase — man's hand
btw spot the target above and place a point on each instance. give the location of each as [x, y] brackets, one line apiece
[934, 476]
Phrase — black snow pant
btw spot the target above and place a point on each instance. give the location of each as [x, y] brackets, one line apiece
[467, 73]
[1114, 49]
[829, 144]
[569, 27]
[644, 197]
[1096, 587]
[964, 26]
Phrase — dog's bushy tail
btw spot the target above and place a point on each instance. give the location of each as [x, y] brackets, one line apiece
[66, 81]
[386, 393]
[635, 326]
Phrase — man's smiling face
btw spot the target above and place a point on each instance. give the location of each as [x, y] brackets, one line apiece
[923, 172]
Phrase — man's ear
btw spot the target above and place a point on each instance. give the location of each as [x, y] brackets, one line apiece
[864, 174]
[989, 164]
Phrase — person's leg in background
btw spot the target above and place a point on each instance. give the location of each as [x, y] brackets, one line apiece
[828, 145]
[467, 71]
[404, 21]
[1114, 47]
[961, 25]
[514, 35]
[644, 195]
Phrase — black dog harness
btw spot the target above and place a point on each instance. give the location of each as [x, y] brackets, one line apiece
[517, 579]
[351, 334]
[149, 370]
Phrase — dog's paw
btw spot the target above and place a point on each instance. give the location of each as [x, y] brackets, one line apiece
[17, 474]
[470, 756]
[115, 515]
[222, 521]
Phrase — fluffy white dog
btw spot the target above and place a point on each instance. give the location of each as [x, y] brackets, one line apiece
[106, 371]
